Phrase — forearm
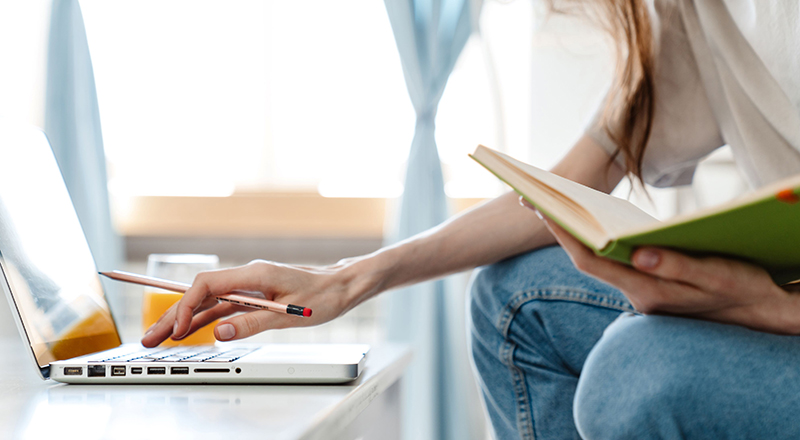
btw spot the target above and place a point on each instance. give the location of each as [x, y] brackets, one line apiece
[493, 231]
[486, 234]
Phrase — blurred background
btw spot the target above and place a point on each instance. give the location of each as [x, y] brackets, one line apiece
[281, 130]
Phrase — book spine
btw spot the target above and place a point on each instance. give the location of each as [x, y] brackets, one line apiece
[618, 251]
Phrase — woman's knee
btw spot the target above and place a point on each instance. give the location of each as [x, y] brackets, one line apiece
[534, 315]
[540, 305]
[626, 388]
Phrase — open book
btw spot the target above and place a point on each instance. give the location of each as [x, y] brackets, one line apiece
[762, 227]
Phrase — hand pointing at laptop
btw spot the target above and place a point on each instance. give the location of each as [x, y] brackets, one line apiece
[282, 283]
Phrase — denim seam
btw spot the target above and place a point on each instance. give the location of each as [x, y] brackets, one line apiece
[556, 294]
[524, 422]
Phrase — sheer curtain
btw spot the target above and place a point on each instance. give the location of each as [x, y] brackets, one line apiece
[430, 35]
[72, 124]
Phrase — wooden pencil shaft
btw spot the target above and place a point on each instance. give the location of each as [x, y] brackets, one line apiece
[240, 298]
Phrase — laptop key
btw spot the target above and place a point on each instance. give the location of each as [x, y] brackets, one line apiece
[220, 359]
[170, 359]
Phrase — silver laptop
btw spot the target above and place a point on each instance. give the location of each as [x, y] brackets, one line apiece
[55, 295]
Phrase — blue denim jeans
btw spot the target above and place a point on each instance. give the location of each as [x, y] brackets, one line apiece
[557, 358]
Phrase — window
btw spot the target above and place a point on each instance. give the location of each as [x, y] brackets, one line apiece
[210, 98]
[207, 97]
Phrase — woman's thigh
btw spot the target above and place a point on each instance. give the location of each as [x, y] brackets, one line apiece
[534, 319]
[669, 377]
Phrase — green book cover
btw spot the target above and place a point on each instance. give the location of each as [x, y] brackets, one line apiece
[762, 227]
[765, 232]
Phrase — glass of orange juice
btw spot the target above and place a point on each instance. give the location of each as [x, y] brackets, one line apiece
[181, 268]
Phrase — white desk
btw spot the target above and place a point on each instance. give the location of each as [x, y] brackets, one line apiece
[368, 408]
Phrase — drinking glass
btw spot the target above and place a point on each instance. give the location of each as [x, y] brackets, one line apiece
[181, 268]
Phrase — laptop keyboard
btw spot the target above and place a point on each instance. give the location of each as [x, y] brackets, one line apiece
[182, 354]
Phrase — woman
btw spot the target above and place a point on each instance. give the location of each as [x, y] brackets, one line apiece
[704, 356]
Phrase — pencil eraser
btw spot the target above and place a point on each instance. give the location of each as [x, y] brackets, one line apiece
[306, 312]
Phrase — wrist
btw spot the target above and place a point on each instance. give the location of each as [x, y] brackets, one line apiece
[361, 278]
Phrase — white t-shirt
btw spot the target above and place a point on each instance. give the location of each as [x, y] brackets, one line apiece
[727, 72]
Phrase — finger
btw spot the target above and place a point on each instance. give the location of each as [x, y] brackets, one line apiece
[757, 318]
[646, 293]
[624, 278]
[526, 203]
[202, 319]
[157, 333]
[207, 303]
[775, 313]
[710, 274]
[212, 283]
[165, 326]
[161, 329]
[165, 317]
[249, 324]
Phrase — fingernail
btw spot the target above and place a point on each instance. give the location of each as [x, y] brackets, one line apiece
[175, 329]
[226, 331]
[538, 214]
[150, 330]
[526, 203]
[646, 259]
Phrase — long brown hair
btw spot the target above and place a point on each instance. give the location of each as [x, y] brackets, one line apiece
[628, 114]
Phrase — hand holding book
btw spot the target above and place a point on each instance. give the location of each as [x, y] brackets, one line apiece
[759, 227]
[663, 281]
[720, 264]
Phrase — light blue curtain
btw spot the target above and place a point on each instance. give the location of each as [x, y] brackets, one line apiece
[72, 124]
[430, 35]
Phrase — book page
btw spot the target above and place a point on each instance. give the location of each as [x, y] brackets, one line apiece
[616, 216]
[567, 213]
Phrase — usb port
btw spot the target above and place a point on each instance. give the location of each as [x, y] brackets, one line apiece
[97, 371]
[179, 370]
[156, 370]
[136, 370]
[118, 370]
[73, 371]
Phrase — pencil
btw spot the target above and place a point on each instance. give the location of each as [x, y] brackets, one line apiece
[235, 298]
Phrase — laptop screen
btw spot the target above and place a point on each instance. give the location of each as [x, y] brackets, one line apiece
[46, 263]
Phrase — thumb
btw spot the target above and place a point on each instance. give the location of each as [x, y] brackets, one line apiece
[708, 273]
[249, 324]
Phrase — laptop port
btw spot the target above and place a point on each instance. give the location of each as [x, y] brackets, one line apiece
[73, 371]
[97, 371]
[179, 370]
[136, 370]
[156, 370]
[212, 370]
[118, 370]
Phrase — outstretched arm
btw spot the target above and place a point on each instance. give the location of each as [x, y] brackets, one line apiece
[486, 234]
